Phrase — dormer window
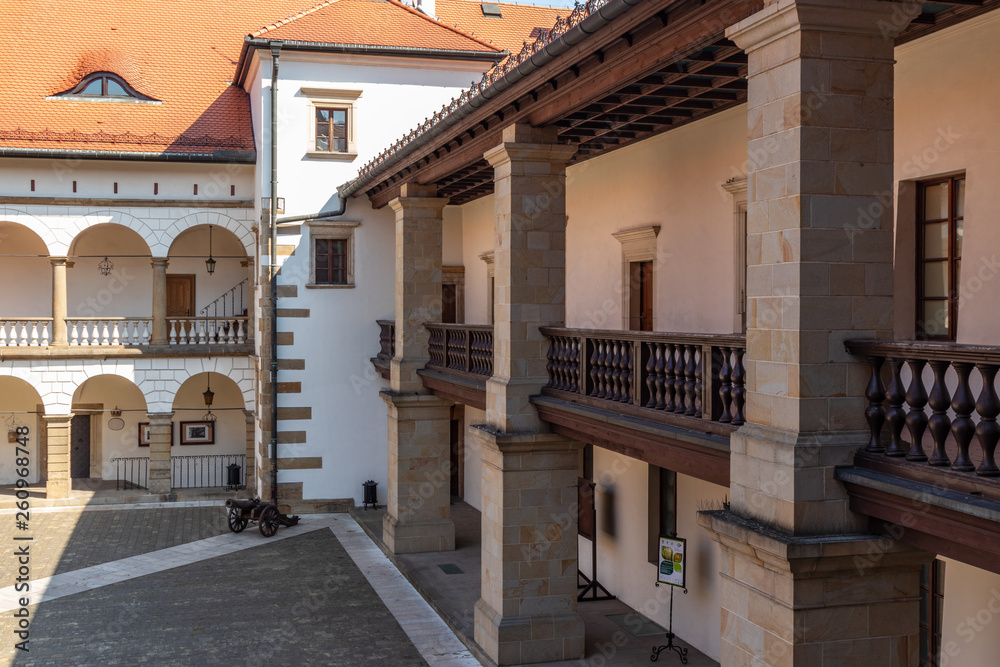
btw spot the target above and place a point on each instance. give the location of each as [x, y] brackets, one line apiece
[104, 85]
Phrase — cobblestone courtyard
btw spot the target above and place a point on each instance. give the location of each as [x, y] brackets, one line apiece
[296, 599]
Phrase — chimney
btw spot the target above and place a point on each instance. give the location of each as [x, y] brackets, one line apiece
[427, 7]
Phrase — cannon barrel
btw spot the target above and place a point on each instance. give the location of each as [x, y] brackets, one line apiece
[242, 504]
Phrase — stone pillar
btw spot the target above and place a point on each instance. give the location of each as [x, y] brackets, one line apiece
[251, 283]
[160, 329]
[159, 451]
[799, 586]
[529, 269]
[527, 612]
[250, 474]
[59, 265]
[57, 435]
[418, 505]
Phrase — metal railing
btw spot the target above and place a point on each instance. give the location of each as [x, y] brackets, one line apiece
[131, 472]
[207, 470]
[228, 302]
[926, 387]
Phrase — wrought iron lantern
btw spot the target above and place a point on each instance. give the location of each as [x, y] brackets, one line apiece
[210, 262]
[209, 396]
[106, 266]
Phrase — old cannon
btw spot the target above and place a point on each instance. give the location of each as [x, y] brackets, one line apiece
[267, 516]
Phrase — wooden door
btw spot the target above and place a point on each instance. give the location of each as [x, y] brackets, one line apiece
[79, 443]
[641, 296]
[180, 295]
[449, 303]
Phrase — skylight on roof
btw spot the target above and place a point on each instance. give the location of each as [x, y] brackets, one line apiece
[104, 85]
[491, 9]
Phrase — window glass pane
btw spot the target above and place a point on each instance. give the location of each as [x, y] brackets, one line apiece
[95, 87]
[115, 88]
[935, 279]
[340, 130]
[936, 240]
[322, 115]
[936, 202]
[959, 236]
[935, 322]
[322, 137]
[960, 198]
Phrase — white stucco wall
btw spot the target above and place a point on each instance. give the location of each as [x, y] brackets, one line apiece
[19, 404]
[971, 616]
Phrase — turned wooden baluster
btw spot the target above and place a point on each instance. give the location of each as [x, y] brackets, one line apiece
[616, 371]
[607, 354]
[628, 364]
[690, 373]
[939, 422]
[725, 387]
[574, 365]
[550, 365]
[654, 353]
[988, 431]
[916, 419]
[679, 396]
[894, 414]
[699, 388]
[668, 379]
[875, 413]
[595, 374]
[739, 386]
[564, 364]
[962, 427]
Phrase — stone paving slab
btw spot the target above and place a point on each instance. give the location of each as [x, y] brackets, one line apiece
[295, 601]
[72, 539]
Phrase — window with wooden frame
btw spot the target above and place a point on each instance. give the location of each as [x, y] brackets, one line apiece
[662, 514]
[331, 254]
[940, 229]
[931, 612]
[332, 123]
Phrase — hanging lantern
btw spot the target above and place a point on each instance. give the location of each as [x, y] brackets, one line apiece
[210, 262]
[106, 266]
[209, 395]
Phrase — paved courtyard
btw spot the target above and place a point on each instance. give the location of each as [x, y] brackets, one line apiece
[172, 586]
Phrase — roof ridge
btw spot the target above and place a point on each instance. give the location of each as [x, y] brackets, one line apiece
[443, 25]
[288, 19]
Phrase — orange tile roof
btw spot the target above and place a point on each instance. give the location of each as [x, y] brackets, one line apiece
[508, 32]
[182, 54]
[368, 23]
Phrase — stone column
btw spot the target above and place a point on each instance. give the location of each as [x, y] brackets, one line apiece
[250, 474]
[800, 587]
[159, 451]
[529, 261]
[418, 505]
[57, 434]
[160, 329]
[527, 612]
[59, 314]
[251, 282]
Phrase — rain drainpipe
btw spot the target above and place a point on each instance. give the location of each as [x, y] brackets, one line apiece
[273, 252]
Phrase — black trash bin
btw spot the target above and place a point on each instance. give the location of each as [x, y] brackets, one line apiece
[233, 476]
[371, 494]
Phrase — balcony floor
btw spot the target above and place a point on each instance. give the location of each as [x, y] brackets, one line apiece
[454, 595]
[89, 492]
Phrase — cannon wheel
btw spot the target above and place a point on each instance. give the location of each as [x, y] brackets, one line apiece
[237, 522]
[268, 521]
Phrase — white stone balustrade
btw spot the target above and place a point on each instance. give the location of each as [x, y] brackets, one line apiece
[109, 331]
[207, 330]
[26, 332]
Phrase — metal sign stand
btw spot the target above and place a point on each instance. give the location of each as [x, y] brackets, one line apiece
[669, 646]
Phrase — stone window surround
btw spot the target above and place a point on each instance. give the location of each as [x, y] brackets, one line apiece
[638, 245]
[455, 275]
[337, 230]
[332, 98]
[737, 187]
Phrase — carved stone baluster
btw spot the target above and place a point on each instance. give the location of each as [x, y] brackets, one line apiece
[595, 373]
[875, 413]
[241, 334]
[654, 358]
[895, 415]
[231, 330]
[739, 385]
[669, 370]
[3, 334]
[988, 431]
[690, 374]
[115, 333]
[725, 387]
[172, 337]
[916, 420]
[105, 334]
[33, 342]
[23, 341]
[962, 427]
[940, 422]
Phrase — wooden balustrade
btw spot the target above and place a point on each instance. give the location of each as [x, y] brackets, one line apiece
[908, 380]
[207, 330]
[26, 332]
[694, 375]
[460, 348]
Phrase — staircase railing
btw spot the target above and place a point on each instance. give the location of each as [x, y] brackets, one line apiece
[228, 300]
